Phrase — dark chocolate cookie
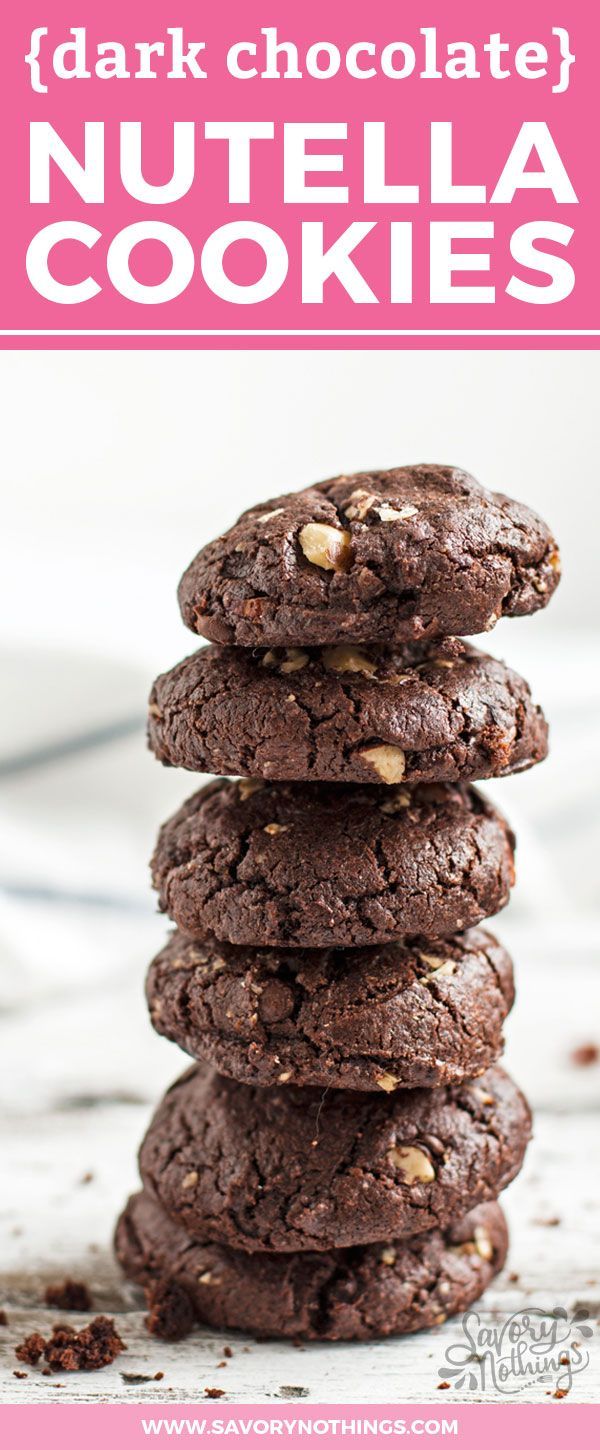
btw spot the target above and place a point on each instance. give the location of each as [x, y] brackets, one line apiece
[427, 712]
[285, 1168]
[360, 1293]
[372, 1018]
[393, 555]
[280, 864]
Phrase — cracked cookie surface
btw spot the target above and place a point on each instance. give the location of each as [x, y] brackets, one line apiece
[361, 1293]
[291, 864]
[406, 1015]
[391, 555]
[427, 712]
[284, 1169]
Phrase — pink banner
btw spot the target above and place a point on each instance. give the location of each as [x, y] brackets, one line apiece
[177, 175]
[125, 1426]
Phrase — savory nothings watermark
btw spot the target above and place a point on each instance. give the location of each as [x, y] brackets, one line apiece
[532, 1346]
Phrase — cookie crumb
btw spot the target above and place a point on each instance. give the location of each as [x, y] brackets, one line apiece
[20, 1374]
[93, 1347]
[70, 1294]
[70, 1349]
[170, 1311]
[3, 1318]
[86, 1178]
[212, 1394]
[32, 1349]
[444, 1385]
[159, 1375]
[585, 1055]
[227, 1351]
[560, 1394]
[552, 1222]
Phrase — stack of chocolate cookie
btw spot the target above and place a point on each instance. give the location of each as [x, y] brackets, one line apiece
[330, 1166]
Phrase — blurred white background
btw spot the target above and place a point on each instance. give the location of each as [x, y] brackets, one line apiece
[116, 469]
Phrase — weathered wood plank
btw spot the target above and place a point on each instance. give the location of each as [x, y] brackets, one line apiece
[62, 1226]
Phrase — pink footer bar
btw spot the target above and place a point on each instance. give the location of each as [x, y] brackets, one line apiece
[31, 1427]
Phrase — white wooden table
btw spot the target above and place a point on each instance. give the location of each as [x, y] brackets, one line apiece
[81, 1072]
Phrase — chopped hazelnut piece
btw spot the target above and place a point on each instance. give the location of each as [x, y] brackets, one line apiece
[262, 518]
[388, 762]
[273, 829]
[325, 546]
[388, 1256]
[295, 659]
[397, 801]
[190, 1180]
[360, 503]
[439, 967]
[246, 788]
[484, 1245]
[387, 514]
[387, 1082]
[414, 1164]
[464, 1250]
[346, 660]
